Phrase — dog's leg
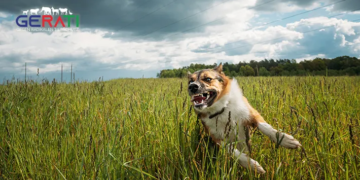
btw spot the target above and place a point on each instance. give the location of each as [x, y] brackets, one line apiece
[239, 149]
[258, 121]
[244, 159]
[283, 139]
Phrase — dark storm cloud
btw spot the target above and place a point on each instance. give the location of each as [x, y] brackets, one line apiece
[346, 5]
[9, 59]
[131, 16]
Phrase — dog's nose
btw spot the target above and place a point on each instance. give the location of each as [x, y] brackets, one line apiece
[193, 88]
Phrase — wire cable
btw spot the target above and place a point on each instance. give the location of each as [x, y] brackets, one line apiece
[305, 12]
[266, 24]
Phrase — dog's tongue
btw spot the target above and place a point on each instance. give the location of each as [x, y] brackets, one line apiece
[198, 99]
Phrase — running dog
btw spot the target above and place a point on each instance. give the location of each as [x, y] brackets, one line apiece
[226, 115]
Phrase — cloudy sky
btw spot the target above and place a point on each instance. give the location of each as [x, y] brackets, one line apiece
[136, 38]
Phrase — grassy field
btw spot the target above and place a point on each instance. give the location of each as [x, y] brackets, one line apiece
[146, 128]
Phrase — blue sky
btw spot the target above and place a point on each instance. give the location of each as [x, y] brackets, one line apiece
[137, 39]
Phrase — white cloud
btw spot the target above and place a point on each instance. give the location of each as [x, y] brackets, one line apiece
[356, 44]
[298, 37]
[4, 15]
[310, 57]
[329, 8]
[343, 40]
[96, 50]
[230, 10]
[340, 25]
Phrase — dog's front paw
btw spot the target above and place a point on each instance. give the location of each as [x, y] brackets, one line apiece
[247, 162]
[259, 169]
[287, 141]
[255, 166]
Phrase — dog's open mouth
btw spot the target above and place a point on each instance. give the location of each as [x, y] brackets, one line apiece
[205, 98]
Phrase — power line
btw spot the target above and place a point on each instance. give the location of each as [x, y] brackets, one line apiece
[284, 18]
[195, 5]
[25, 72]
[71, 74]
[305, 12]
[285, 36]
[175, 22]
[252, 7]
[291, 16]
[61, 73]
[16, 70]
[305, 32]
[21, 67]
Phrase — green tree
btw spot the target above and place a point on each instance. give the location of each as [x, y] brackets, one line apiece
[276, 70]
[233, 73]
[318, 64]
[263, 72]
[247, 71]
[342, 65]
[242, 70]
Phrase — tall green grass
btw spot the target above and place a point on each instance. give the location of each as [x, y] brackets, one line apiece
[146, 128]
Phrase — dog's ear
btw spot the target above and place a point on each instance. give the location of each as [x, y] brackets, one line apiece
[189, 74]
[219, 68]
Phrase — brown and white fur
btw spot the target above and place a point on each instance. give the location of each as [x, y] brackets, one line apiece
[226, 115]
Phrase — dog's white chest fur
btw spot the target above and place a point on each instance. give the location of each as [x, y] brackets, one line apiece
[230, 123]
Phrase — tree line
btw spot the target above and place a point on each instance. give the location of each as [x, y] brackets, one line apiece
[339, 66]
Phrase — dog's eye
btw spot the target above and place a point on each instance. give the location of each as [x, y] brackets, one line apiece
[208, 79]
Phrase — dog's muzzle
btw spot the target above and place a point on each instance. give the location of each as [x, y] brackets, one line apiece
[200, 96]
[193, 88]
